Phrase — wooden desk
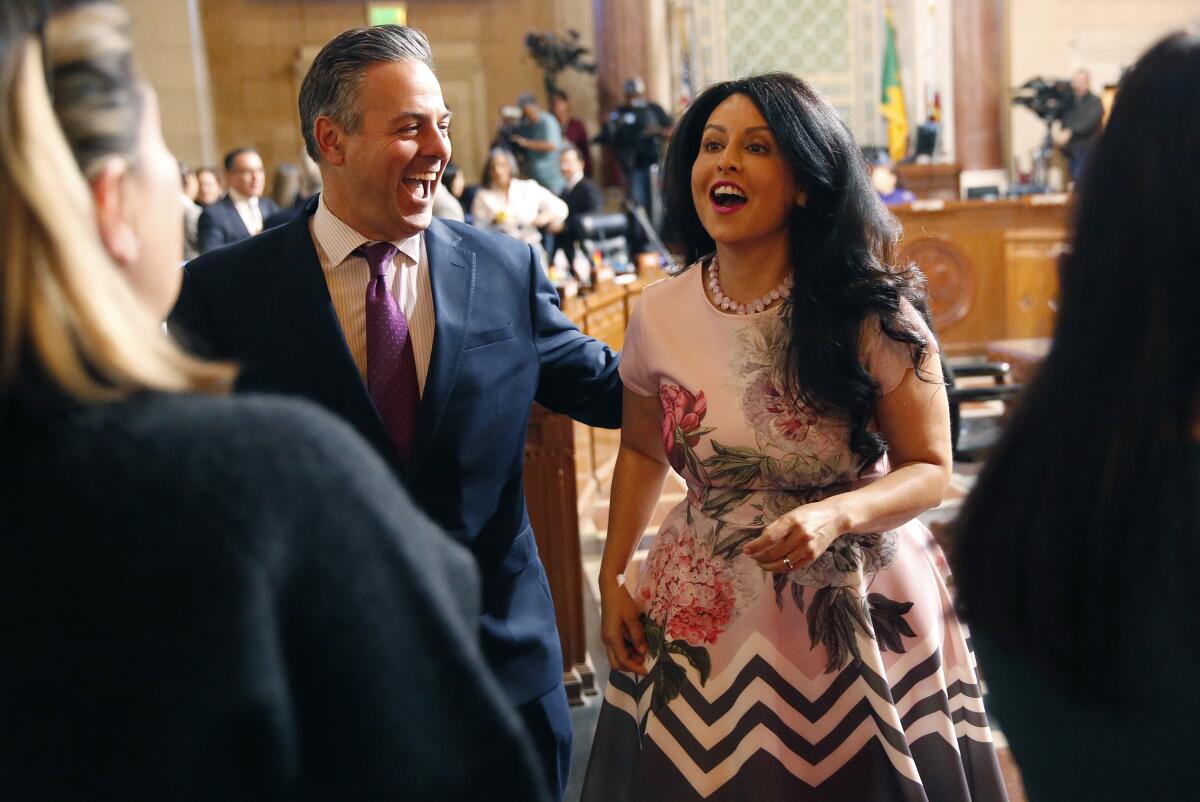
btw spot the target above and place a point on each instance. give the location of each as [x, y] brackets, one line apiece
[930, 181]
[992, 266]
[561, 459]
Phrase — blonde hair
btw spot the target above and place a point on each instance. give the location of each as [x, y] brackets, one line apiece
[64, 302]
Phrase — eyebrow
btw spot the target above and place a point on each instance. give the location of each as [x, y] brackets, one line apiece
[751, 130]
[419, 115]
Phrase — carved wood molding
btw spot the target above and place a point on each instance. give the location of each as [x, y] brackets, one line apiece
[948, 274]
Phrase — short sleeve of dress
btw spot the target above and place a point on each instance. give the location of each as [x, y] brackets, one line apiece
[887, 360]
[634, 367]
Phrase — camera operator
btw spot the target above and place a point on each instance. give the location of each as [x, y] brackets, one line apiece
[537, 139]
[1080, 125]
[635, 131]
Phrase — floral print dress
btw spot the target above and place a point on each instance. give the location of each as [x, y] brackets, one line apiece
[849, 679]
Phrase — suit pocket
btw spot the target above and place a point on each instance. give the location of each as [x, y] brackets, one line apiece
[478, 339]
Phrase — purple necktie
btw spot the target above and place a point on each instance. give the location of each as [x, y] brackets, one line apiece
[391, 363]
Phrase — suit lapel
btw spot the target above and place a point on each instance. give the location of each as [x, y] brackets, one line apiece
[235, 219]
[302, 283]
[452, 277]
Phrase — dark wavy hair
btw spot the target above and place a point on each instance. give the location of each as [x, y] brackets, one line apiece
[1082, 525]
[843, 247]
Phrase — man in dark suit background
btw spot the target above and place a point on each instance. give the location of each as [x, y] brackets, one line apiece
[581, 195]
[455, 330]
[241, 212]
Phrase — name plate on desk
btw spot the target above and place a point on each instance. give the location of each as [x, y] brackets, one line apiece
[1054, 199]
[933, 205]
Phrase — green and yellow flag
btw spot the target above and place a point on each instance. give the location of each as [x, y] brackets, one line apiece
[892, 101]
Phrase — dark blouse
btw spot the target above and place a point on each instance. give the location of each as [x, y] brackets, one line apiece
[216, 598]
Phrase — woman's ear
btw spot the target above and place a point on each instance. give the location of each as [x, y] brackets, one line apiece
[110, 198]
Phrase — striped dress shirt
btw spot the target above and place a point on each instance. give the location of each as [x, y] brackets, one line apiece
[347, 276]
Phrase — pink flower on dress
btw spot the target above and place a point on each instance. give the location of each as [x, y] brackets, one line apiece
[688, 591]
[775, 413]
[684, 411]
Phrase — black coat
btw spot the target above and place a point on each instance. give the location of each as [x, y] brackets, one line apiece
[232, 599]
[583, 198]
[220, 224]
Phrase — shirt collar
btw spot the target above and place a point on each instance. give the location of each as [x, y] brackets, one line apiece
[238, 197]
[339, 240]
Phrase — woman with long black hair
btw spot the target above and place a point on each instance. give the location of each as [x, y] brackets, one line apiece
[790, 635]
[1078, 548]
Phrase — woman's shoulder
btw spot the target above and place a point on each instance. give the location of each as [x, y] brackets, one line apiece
[246, 438]
[667, 293]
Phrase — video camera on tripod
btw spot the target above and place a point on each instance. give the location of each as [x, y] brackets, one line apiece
[1049, 100]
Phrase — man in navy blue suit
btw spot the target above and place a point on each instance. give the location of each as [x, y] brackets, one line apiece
[241, 211]
[468, 327]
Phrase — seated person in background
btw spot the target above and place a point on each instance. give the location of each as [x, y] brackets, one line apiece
[1076, 552]
[885, 180]
[446, 204]
[202, 597]
[581, 195]
[573, 129]
[538, 139]
[240, 214]
[515, 206]
[208, 186]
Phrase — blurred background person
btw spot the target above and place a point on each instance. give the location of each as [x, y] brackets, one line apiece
[285, 186]
[635, 133]
[513, 205]
[302, 184]
[206, 597]
[581, 195]
[208, 186]
[191, 212]
[573, 129]
[243, 209]
[538, 138]
[885, 180]
[1078, 548]
[446, 203]
[1081, 124]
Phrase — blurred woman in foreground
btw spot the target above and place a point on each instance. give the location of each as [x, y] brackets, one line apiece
[201, 597]
[1078, 547]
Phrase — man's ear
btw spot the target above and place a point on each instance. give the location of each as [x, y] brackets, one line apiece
[801, 198]
[331, 140]
[110, 198]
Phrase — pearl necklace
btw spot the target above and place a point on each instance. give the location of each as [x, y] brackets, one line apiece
[723, 301]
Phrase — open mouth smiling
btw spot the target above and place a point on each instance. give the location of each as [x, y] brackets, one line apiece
[727, 197]
[421, 184]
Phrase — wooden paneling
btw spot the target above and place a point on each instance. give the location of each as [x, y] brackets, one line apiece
[550, 493]
[989, 264]
[930, 181]
[1031, 259]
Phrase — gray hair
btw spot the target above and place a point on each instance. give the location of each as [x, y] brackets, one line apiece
[331, 87]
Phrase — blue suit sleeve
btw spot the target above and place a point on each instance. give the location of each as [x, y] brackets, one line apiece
[579, 374]
[209, 232]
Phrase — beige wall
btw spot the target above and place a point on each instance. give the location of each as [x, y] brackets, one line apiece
[167, 44]
[1053, 39]
[479, 50]
[257, 53]
[253, 53]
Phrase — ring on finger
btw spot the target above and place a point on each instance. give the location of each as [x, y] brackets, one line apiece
[787, 563]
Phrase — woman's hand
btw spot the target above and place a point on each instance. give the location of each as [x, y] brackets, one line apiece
[621, 630]
[797, 538]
